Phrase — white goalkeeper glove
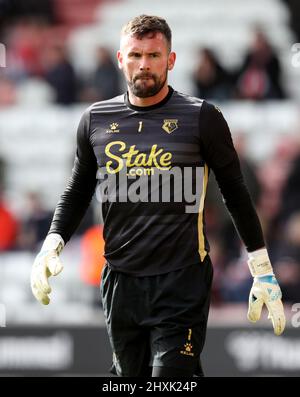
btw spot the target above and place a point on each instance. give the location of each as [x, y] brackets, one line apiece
[46, 264]
[265, 290]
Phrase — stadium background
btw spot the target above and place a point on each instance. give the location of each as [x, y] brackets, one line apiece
[59, 57]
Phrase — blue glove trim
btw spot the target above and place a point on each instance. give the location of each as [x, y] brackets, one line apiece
[268, 279]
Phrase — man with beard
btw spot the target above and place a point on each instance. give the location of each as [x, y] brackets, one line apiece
[157, 279]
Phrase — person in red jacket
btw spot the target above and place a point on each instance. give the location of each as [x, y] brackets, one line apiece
[8, 227]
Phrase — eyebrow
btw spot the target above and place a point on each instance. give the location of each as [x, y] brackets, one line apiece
[132, 52]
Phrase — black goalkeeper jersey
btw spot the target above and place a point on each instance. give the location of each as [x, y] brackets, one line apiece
[150, 167]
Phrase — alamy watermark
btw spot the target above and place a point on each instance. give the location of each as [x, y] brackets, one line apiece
[152, 185]
[2, 56]
[2, 315]
[296, 57]
[296, 317]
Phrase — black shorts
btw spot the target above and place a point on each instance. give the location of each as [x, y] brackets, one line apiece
[157, 321]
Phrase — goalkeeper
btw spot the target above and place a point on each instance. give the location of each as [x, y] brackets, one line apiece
[157, 279]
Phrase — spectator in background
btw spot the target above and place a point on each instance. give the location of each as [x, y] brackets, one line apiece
[20, 8]
[26, 41]
[291, 190]
[35, 225]
[10, 10]
[2, 173]
[260, 75]
[287, 264]
[36, 222]
[8, 95]
[105, 81]
[294, 17]
[279, 190]
[285, 228]
[60, 75]
[8, 226]
[210, 78]
[93, 261]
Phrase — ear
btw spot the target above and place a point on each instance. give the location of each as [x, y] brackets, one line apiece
[171, 60]
[120, 59]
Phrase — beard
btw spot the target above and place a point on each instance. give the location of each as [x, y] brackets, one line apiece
[145, 85]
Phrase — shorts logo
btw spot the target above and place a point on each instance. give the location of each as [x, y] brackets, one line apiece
[188, 346]
[113, 128]
[170, 125]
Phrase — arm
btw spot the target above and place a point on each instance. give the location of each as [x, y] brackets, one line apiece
[80, 188]
[220, 155]
[68, 213]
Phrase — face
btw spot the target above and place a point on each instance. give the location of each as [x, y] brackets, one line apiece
[145, 63]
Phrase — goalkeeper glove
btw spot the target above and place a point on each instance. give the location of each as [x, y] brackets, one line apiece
[46, 264]
[265, 290]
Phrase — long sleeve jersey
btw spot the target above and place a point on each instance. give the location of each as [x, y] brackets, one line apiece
[150, 167]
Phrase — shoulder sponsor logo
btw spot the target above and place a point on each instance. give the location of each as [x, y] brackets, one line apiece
[113, 128]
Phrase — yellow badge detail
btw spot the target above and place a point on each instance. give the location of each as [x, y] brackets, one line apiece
[132, 157]
[188, 345]
[170, 125]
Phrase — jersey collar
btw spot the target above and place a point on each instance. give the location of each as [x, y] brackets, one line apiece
[147, 108]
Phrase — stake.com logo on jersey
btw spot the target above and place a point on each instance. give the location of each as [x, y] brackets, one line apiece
[157, 158]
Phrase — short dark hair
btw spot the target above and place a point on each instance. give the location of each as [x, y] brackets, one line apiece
[143, 25]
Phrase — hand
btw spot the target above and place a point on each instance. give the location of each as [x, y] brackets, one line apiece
[265, 290]
[46, 264]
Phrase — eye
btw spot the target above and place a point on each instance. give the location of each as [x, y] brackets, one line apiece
[134, 55]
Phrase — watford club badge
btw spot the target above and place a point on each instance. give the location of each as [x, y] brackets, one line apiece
[170, 125]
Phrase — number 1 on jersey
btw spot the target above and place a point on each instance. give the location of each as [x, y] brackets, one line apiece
[140, 126]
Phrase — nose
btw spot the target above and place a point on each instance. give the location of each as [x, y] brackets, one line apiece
[144, 64]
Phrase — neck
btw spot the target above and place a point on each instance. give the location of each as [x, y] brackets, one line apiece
[152, 100]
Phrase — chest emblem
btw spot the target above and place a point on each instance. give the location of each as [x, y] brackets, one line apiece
[170, 125]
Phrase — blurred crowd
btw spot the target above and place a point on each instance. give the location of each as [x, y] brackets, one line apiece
[258, 78]
[39, 64]
[38, 57]
[38, 60]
